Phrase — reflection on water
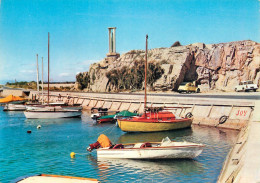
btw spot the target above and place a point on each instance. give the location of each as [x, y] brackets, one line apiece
[153, 136]
[164, 167]
[47, 151]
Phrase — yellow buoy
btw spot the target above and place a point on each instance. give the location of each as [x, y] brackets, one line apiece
[72, 155]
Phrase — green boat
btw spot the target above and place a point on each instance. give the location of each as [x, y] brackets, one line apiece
[113, 118]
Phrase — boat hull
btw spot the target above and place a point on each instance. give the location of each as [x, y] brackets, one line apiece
[107, 120]
[138, 126]
[40, 178]
[14, 107]
[51, 114]
[152, 153]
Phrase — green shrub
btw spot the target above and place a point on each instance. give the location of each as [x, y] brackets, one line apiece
[133, 78]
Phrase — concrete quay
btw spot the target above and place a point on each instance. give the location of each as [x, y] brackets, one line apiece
[206, 111]
[243, 162]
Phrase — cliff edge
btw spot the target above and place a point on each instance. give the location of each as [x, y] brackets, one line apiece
[213, 67]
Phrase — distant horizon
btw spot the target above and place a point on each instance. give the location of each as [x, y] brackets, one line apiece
[3, 82]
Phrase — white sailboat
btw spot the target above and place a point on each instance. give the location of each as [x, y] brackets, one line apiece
[50, 112]
[47, 111]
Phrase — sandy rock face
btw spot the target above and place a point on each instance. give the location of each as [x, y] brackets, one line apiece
[213, 67]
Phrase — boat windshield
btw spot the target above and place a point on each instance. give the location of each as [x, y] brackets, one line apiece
[166, 139]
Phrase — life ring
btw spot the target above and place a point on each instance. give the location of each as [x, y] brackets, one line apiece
[188, 115]
[223, 119]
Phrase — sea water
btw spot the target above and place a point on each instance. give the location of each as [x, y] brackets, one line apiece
[47, 150]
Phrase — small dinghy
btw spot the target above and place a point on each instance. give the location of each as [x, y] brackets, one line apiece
[166, 149]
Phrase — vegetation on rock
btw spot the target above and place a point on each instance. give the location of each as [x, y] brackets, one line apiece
[133, 78]
[83, 80]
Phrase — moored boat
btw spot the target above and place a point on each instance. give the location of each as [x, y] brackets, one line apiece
[112, 118]
[51, 113]
[166, 149]
[40, 178]
[155, 120]
[14, 107]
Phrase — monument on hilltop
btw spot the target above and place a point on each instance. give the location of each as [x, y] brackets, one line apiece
[112, 55]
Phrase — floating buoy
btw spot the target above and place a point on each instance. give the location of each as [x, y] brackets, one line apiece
[39, 126]
[29, 131]
[72, 155]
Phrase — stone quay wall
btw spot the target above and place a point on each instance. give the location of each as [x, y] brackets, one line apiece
[205, 111]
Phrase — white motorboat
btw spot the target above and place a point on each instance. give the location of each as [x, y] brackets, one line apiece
[14, 107]
[166, 149]
[51, 113]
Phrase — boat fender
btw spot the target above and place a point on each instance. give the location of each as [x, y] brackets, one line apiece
[223, 119]
[188, 115]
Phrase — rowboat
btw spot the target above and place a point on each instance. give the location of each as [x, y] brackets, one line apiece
[166, 149]
[52, 113]
[153, 121]
[40, 178]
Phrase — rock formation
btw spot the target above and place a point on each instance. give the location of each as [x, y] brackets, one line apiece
[213, 67]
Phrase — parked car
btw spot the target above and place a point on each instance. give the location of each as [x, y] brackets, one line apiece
[246, 86]
[188, 87]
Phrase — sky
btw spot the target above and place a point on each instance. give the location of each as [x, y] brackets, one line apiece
[79, 34]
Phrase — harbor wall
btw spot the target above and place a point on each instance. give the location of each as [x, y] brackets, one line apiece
[221, 113]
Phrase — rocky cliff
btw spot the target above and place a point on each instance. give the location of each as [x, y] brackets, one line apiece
[213, 67]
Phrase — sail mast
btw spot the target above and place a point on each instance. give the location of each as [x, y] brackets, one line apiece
[48, 67]
[37, 73]
[145, 69]
[42, 80]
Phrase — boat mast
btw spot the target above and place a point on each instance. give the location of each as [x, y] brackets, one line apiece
[48, 66]
[42, 80]
[37, 73]
[145, 77]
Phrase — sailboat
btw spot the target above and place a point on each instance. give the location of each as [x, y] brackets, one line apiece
[154, 119]
[48, 111]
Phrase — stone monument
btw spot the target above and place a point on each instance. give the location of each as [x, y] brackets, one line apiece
[112, 55]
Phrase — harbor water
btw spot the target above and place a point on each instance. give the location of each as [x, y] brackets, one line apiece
[47, 150]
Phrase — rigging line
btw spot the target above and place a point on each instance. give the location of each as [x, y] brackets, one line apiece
[107, 129]
[112, 129]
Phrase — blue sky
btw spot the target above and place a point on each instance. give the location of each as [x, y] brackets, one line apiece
[79, 34]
